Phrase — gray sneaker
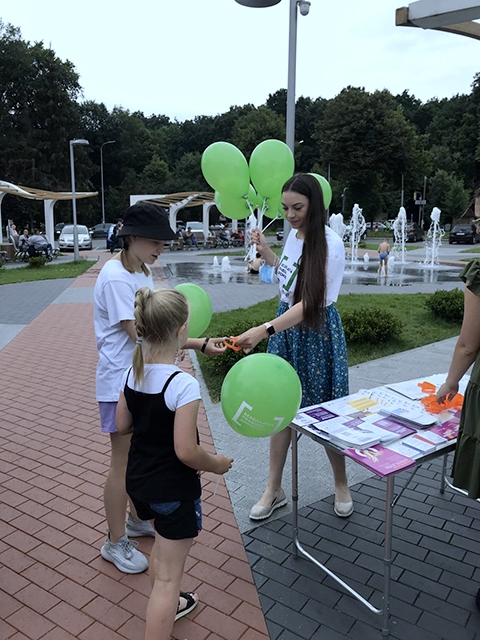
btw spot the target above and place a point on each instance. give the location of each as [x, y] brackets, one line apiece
[124, 555]
[139, 529]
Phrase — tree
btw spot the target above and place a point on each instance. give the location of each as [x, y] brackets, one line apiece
[38, 113]
[368, 143]
[447, 192]
[257, 126]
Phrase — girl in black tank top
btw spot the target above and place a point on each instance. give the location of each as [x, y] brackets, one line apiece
[159, 406]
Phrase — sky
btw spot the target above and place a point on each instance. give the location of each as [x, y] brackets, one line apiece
[187, 58]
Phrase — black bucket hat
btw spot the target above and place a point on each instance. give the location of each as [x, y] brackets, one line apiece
[147, 220]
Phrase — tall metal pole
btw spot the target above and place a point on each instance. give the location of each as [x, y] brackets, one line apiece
[101, 178]
[76, 255]
[292, 64]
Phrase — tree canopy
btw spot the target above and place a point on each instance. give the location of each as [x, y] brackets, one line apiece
[370, 142]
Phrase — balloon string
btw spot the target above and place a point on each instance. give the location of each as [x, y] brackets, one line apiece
[271, 222]
[216, 485]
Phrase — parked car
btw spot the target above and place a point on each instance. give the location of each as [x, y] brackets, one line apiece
[58, 229]
[413, 233]
[65, 240]
[100, 230]
[279, 234]
[464, 233]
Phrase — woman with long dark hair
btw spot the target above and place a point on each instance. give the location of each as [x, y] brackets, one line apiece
[307, 330]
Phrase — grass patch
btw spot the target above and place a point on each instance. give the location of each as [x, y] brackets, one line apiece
[471, 251]
[420, 327]
[48, 272]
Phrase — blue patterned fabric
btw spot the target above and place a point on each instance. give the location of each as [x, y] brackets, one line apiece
[319, 358]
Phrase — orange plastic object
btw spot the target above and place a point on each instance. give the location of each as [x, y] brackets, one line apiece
[231, 344]
[427, 387]
[431, 405]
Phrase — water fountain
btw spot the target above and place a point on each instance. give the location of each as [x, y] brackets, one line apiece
[215, 262]
[433, 239]
[400, 235]
[226, 266]
[356, 231]
[336, 224]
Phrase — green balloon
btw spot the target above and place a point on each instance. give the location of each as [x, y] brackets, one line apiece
[225, 169]
[231, 207]
[271, 165]
[260, 395]
[326, 189]
[200, 308]
[273, 206]
[254, 198]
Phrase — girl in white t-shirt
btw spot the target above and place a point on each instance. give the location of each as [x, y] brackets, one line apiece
[307, 331]
[145, 230]
[158, 410]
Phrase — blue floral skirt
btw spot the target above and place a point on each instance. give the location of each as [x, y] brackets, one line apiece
[319, 358]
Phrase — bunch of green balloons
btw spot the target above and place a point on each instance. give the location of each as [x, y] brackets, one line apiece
[226, 170]
[260, 395]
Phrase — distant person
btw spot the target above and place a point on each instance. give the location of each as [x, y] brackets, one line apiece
[255, 264]
[115, 240]
[383, 252]
[190, 239]
[38, 244]
[23, 241]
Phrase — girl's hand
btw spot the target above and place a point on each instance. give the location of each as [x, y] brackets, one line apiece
[223, 464]
[251, 338]
[447, 392]
[257, 237]
[215, 347]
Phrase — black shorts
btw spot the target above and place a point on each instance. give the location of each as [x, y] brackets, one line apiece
[177, 520]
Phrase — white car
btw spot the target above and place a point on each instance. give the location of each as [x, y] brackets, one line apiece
[65, 240]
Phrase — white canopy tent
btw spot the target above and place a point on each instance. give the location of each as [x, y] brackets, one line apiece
[49, 198]
[452, 16]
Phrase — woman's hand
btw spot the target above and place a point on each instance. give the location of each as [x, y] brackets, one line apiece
[257, 237]
[447, 391]
[251, 338]
[215, 347]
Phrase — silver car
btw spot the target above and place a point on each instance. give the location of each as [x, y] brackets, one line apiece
[65, 240]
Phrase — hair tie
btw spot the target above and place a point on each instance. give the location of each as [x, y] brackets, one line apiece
[139, 340]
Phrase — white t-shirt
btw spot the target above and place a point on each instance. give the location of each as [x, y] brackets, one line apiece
[290, 261]
[183, 389]
[114, 297]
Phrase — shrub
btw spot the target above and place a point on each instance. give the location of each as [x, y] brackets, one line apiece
[446, 305]
[371, 325]
[37, 261]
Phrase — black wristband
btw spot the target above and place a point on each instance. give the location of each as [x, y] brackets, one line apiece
[204, 345]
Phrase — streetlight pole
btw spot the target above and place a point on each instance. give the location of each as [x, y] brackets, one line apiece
[74, 143]
[304, 7]
[101, 177]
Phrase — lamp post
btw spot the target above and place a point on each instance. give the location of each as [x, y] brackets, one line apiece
[343, 200]
[101, 177]
[304, 7]
[74, 143]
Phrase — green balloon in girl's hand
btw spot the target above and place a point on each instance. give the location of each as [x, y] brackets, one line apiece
[225, 169]
[326, 189]
[200, 308]
[260, 395]
[271, 165]
[231, 206]
[273, 206]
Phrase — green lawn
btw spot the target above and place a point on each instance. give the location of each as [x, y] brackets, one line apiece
[47, 272]
[420, 327]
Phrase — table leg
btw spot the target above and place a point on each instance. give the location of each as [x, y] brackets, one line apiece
[387, 560]
[444, 474]
[294, 490]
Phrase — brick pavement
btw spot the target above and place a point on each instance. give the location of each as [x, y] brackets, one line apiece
[53, 583]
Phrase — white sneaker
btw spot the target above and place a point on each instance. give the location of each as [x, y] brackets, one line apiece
[135, 529]
[124, 555]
